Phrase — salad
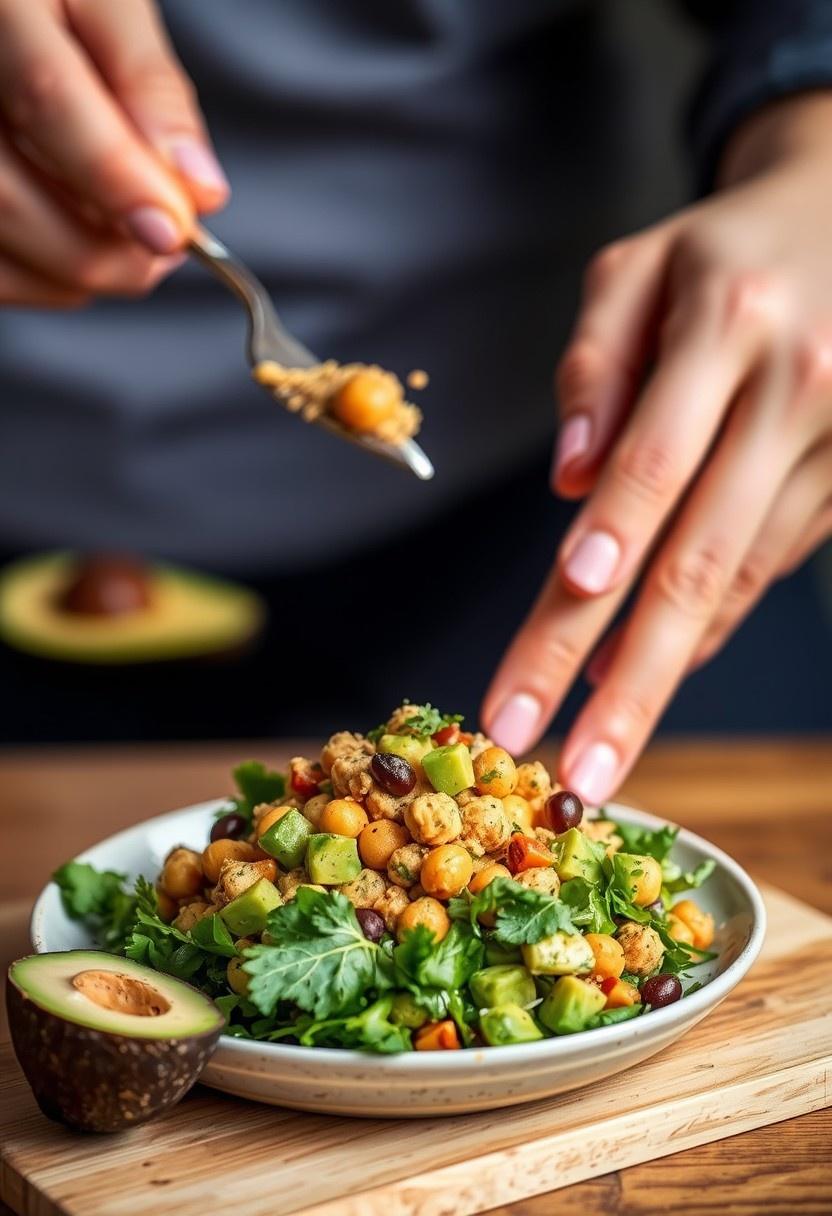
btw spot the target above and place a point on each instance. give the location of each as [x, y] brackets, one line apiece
[412, 888]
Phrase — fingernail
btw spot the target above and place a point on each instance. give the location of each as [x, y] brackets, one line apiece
[199, 164]
[515, 725]
[593, 775]
[155, 229]
[573, 442]
[592, 563]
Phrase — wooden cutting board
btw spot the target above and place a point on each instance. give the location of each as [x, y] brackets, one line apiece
[763, 1056]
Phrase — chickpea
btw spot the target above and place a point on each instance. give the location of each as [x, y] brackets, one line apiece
[433, 819]
[602, 829]
[366, 399]
[679, 931]
[391, 905]
[342, 743]
[479, 743]
[642, 946]
[365, 890]
[238, 980]
[446, 870]
[647, 884]
[398, 720]
[519, 811]
[287, 884]
[495, 772]
[165, 905]
[609, 955]
[486, 827]
[379, 840]
[313, 809]
[533, 782]
[701, 924]
[190, 914]
[220, 851]
[237, 876]
[350, 775]
[428, 912]
[343, 817]
[270, 817]
[182, 874]
[486, 876]
[404, 865]
[540, 878]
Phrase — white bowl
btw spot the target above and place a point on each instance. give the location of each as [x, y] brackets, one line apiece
[430, 1083]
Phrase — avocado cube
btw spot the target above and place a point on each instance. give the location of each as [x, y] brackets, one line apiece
[287, 839]
[576, 857]
[502, 985]
[405, 1012]
[506, 1024]
[559, 954]
[449, 769]
[411, 748]
[496, 955]
[332, 860]
[246, 915]
[570, 1005]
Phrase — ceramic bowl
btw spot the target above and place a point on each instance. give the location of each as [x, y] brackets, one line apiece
[430, 1083]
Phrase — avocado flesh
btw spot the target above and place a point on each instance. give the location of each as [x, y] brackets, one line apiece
[412, 748]
[576, 858]
[189, 615]
[332, 860]
[287, 839]
[106, 1069]
[246, 915]
[449, 769]
[502, 985]
[570, 1005]
[559, 954]
[506, 1024]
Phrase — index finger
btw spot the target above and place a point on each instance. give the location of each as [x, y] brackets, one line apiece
[54, 100]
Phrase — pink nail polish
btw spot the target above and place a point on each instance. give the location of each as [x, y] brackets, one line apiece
[573, 443]
[155, 229]
[197, 162]
[515, 725]
[593, 775]
[592, 563]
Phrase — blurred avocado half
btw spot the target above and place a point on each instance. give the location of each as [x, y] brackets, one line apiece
[117, 609]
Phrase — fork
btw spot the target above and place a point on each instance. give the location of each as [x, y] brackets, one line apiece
[267, 339]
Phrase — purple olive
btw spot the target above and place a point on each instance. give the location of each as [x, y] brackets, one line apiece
[393, 773]
[231, 827]
[564, 810]
[372, 925]
[661, 990]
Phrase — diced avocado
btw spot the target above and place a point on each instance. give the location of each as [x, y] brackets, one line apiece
[508, 1024]
[449, 769]
[411, 748]
[406, 1012]
[287, 839]
[559, 954]
[331, 860]
[497, 955]
[502, 985]
[629, 868]
[576, 857]
[246, 915]
[570, 1005]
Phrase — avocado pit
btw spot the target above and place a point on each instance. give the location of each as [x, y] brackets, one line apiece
[124, 993]
[107, 585]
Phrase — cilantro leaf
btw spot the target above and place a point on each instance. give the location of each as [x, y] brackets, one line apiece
[256, 784]
[211, 934]
[370, 1030]
[427, 720]
[690, 880]
[522, 916]
[422, 962]
[587, 905]
[321, 959]
[609, 1017]
[656, 843]
[99, 899]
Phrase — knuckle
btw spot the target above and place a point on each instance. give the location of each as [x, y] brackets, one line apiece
[647, 470]
[158, 80]
[813, 358]
[577, 371]
[604, 265]
[753, 297]
[37, 95]
[693, 583]
[558, 655]
[749, 579]
[626, 710]
[106, 170]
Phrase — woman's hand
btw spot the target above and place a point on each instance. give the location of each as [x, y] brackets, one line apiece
[696, 398]
[104, 159]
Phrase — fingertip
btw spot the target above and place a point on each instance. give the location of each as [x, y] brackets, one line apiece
[516, 723]
[202, 173]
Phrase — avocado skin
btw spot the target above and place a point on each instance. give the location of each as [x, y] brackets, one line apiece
[94, 1081]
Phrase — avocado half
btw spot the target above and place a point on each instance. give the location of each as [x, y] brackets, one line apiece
[106, 1043]
[178, 615]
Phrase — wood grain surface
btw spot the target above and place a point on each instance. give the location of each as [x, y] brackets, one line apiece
[770, 804]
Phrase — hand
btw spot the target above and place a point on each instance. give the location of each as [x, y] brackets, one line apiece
[104, 158]
[696, 398]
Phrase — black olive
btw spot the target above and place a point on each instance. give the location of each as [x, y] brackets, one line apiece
[564, 810]
[393, 773]
[661, 990]
[231, 827]
[372, 925]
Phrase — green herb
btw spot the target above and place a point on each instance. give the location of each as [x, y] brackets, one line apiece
[523, 916]
[322, 961]
[488, 777]
[99, 899]
[646, 841]
[256, 784]
[428, 720]
[690, 880]
[375, 734]
[211, 934]
[587, 905]
[370, 1030]
[403, 872]
[609, 1017]
[422, 963]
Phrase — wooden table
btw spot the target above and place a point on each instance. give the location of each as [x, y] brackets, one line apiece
[767, 802]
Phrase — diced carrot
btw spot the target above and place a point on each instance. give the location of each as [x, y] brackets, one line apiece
[437, 1036]
[524, 853]
[619, 994]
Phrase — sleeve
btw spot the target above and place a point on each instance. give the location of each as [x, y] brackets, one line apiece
[763, 49]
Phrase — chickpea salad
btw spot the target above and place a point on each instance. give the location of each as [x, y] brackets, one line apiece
[412, 888]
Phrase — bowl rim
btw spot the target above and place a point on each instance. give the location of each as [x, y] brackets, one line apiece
[634, 1031]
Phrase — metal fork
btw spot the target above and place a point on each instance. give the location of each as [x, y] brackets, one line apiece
[267, 339]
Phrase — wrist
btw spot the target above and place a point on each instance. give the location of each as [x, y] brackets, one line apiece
[788, 129]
